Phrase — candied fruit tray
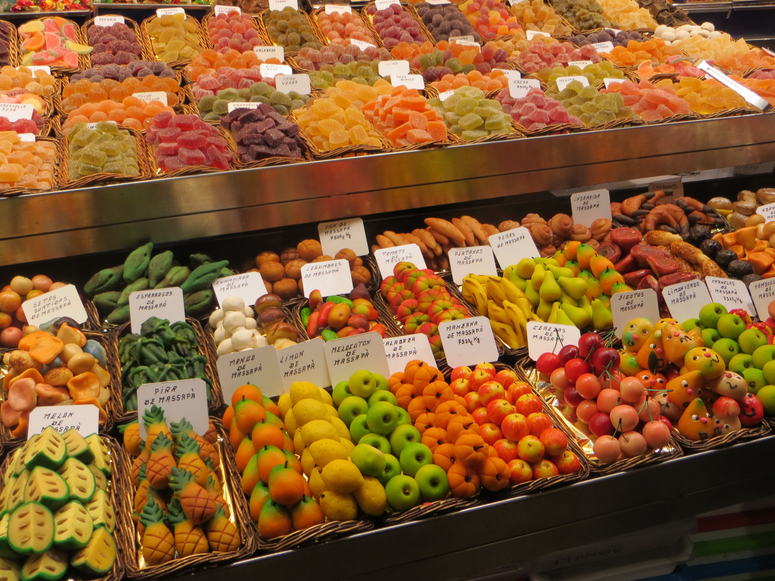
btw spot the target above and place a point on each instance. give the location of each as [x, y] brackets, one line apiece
[179, 62]
[211, 16]
[372, 38]
[743, 435]
[423, 35]
[146, 52]
[262, 24]
[17, 190]
[83, 59]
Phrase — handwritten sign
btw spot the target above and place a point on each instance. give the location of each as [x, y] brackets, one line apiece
[244, 105]
[94, 125]
[387, 258]
[44, 68]
[186, 398]
[580, 64]
[271, 71]
[299, 83]
[165, 303]
[16, 111]
[152, 96]
[389, 68]
[350, 354]
[282, 4]
[589, 206]
[437, 2]
[471, 260]
[330, 278]
[108, 20]
[341, 234]
[85, 419]
[384, 4]
[763, 293]
[27, 137]
[361, 44]
[512, 246]
[304, 362]
[563, 82]
[603, 46]
[608, 81]
[468, 341]
[673, 187]
[269, 52]
[331, 8]
[768, 211]
[531, 34]
[248, 286]
[62, 302]
[684, 300]
[446, 95]
[549, 338]
[255, 366]
[226, 9]
[401, 350]
[509, 74]
[630, 305]
[731, 293]
[169, 11]
[408, 81]
[518, 88]
[464, 41]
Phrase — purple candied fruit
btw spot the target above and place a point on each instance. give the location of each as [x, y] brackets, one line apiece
[168, 135]
[191, 156]
[191, 140]
[162, 119]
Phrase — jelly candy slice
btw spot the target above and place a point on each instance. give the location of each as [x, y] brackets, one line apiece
[191, 156]
[191, 140]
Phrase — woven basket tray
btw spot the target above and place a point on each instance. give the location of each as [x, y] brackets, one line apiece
[15, 191]
[744, 435]
[136, 567]
[527, 371]
[315, 17]
[212, 16]
[412, 8]
[146, 53]
[14, 52]
[83, 60]
[146, 172]
[216, 396]
[265, 34]
[149, 42]
[370, 24]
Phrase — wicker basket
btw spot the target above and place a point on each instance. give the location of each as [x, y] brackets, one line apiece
[117, 489]
[15, 191]
[211, 16]
[239, 515]
[149, 41]
[383, 318]
[146, 52]
[14, 53]
[315, 17]
[370, 23]
[743, 435]
[265, 34]
[83, 60]
[216, 396]
[412, 8]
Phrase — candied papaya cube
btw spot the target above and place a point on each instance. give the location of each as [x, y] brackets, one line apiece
[22, 158]
[11, 172]
[401, 114]
[437, 130]
[399, 131]
[418, 136]
[418, 120]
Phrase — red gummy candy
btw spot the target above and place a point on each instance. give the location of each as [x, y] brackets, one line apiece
[192, 140]
[191, 156]
[162, 119]
[184, 122]
[168, 135]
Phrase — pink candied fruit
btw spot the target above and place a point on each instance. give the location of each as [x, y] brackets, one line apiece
[168, 135]
[167, 149]
[162, 119]
[184, 122]
[191, 156]
[171, 163]
[191, 140]
[217, 159]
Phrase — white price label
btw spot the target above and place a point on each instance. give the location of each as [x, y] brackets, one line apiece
[754, 168]
[684, 300]
[580, 64]
[509, 74]
[512, 246]
[437, 2]
[44, 68]
[165, 303]
[341, 234]
[603, 46]
[361, 44]
[591, 205]
[62, 302]
[613, 31]
[16, 111]
[271, 71]
[468, 341]
[549, 338]
[152, 96]
[387, 258]
[94, 125]
[466, 41]
[186, 398]
[108, 20]
[226, 9]
[330, 278]
[401, 350]
[169, 11]
[519, 88]
[248, 286]
[27, 137]
[563, 82]
[269, 52]
[85, 419]
[630, 305]
[304, 362]
[731, 293]
[350, 354]
[389, 68]
[254, 366]
[446, 95]
[471, 260]
[609, 81]
[382, 5]
[672, 187]
[531, 34]
[331, 8]
[408, 81]
[236, 105]
[299, 83]
[768, 211]
[282, 4]
[763, 293]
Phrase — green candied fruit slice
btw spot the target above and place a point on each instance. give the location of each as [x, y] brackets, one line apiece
[228, 94]
[617, 98]
[465, 106]
[609, 105]
[470, 122]
[545, 74]
[451, 118]
[484, 111]
[259, 99]
[47, 488]
[574, 110]
[456, 130]
[573, 71]
[16, 495]
[79, 479]
[604, 116]
[281, 109]
[101, 510]
[468, 68]
[587, 92]
[221, 107]
[280, 98]
[297, 104]
[565, 94]
[212, 117]
[107, 127]
[48, 566]
[4, 495]
[9, 570]
[468, 91]
[471, 135]
[426, 61]
[47, 450]
[31, 529]
[206, 103]
[101, 453]
[117, 167]
[608, 66]
[452, 101]
[73, 526]
[589, 107]
[454, 65]
[92, 155]
[260, 88]
[16, 461]
[98, 556]
[496, 124]
[587, 118]
[113, 148]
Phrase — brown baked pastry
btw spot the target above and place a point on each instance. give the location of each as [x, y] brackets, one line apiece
[562, 225]
[309, 250]
[360, 275]
[580, 233]
[600, 228]
[293, 268]
[272, 271]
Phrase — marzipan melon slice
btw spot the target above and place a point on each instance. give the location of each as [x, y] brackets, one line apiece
[48, 450]
[79, 479]
[101, 511]
[96, 558]
[47, 488]
[49, 566]
[31, 529]
[77, 447]
[73, 526]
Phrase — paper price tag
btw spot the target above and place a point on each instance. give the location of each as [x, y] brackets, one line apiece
[255, 366]
[471, 260]
[609, 81]
[248, 286]
[299, 83]
[268, 52]
[731, 293]
[629, 305]
[387, 258]
[389, 68]
[673, 187]
[509, 74]
[15, 111]
[446, 95]
[331, 8]
[85, 419]
[361, 44]
[281, 4]
[186, 398]
[249, 105]
[409, 81]
[401, 350]
[684, 300]
[580, 64]
[549, 338]
[165, 303]
[62, 302]
[94, 125]
[589, 206]
[466, 41]
[165, 11]
[383, 4]
[613, 31]
[330, 278]
[44, 68]
[304, 362]
[468, 341]
[437, 2]
[350, 354]
[226, 9]
[518, 88]
[27, 137]
[763, 293]
[563, 82]
[152, 96]
[271, 71]
[754, 168]
[512, 246]
[350, 233]
[108, 20]
[531, 34]
[768, 211]
[603, 46]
